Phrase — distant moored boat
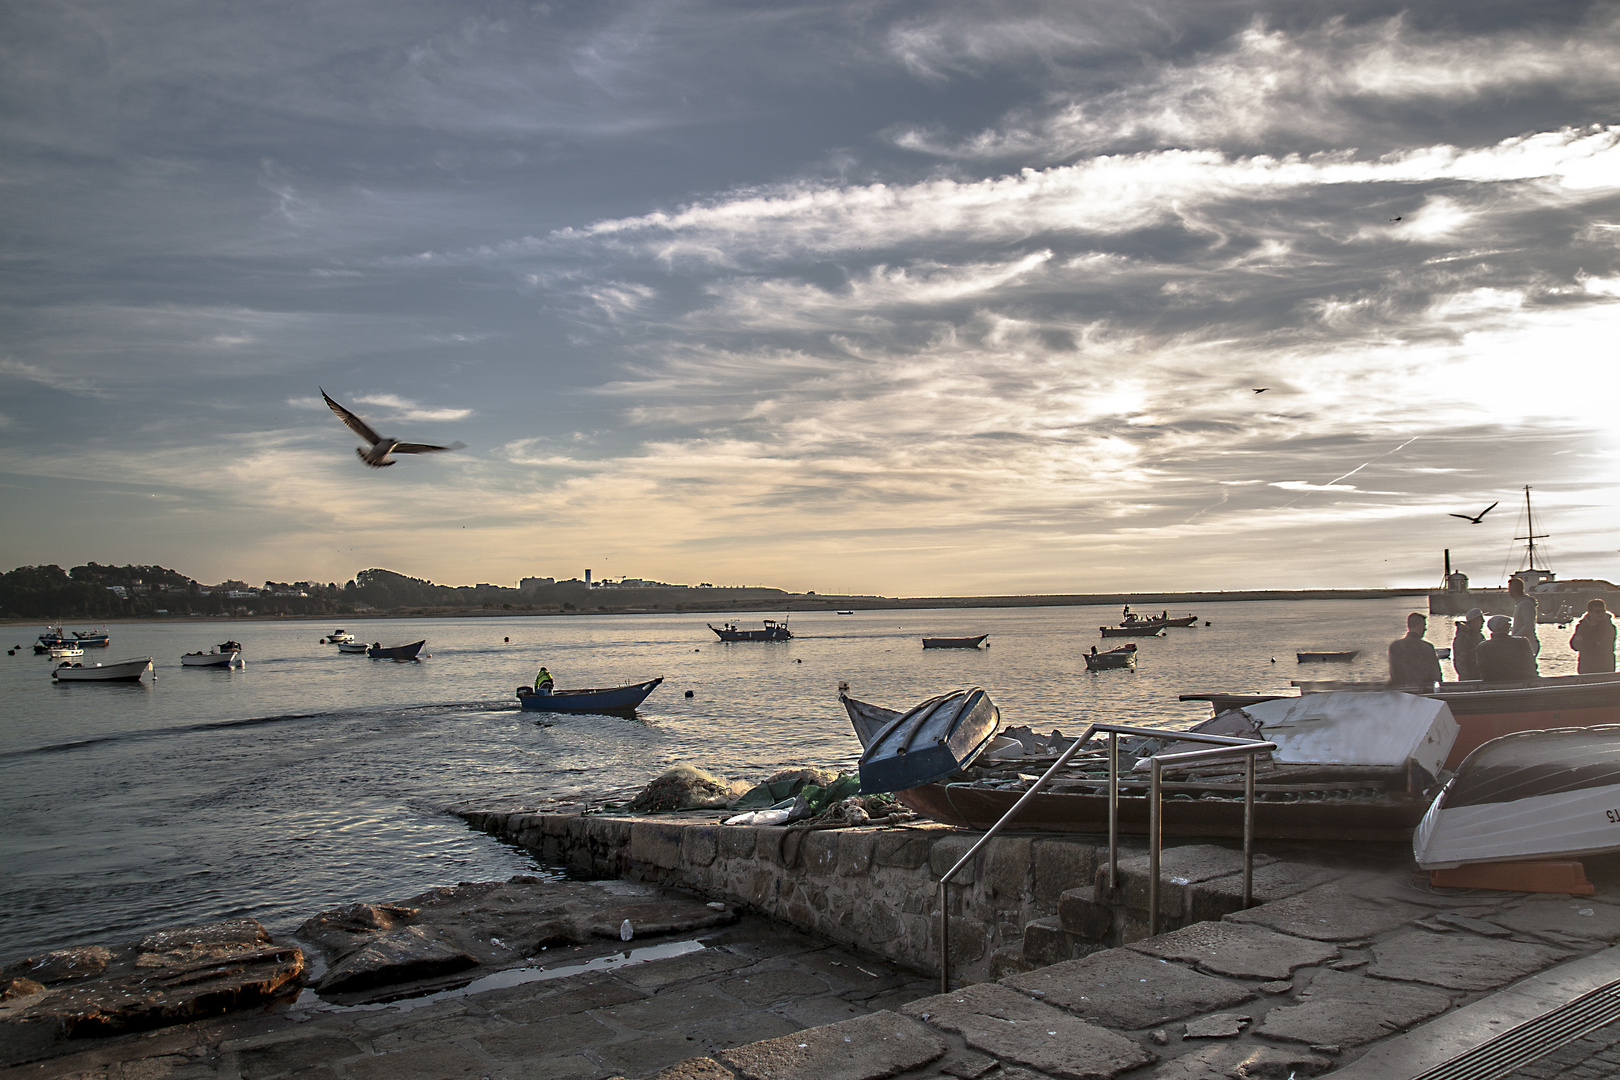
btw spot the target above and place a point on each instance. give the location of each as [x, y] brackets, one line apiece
[395, 652]
[772, 631]
[953, 642]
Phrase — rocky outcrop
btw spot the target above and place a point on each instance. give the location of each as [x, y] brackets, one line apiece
[165, 978]
[395, 956]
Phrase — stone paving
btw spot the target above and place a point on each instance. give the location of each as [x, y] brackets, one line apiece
[1335, 962]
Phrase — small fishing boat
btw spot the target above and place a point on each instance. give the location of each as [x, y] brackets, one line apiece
[1344, 770]
[358, 647]
[772, 631]
[1122, 657]
[227, 655]
[843, 613]
[59, 652]
[339, 637]
[395, 652]
[1530, 796]
[54, 638]
[122, 671]
[1137, 629]
[929, 742]
[1327, 657]
[954, 642]
[614, 701]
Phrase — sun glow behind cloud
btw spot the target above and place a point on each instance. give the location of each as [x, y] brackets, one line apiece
[1006, 354]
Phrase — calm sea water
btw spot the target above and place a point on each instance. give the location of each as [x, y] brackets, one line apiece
[310, 778]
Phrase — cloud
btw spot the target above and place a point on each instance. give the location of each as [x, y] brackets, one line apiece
[399, 408]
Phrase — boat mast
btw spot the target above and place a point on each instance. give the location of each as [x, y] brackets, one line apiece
[1530, 528]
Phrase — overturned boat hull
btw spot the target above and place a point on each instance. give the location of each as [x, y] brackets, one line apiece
[1529, 796]
[929, 742]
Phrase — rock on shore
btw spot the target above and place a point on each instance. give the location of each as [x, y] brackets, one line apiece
[165, 978]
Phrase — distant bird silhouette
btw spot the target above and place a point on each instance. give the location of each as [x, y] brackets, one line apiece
[377, 455]
[1394, 219]
[1262, 389]
[1479, 517]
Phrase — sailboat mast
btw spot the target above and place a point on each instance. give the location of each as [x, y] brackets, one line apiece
[1530, 523]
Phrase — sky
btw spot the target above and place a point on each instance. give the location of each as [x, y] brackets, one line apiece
[858, 297]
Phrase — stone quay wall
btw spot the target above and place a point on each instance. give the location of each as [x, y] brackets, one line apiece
[874, 888]
[1025, 901]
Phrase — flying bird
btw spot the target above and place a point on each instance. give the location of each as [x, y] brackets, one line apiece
[377, 456]
[1262, 389]
[1478, 517]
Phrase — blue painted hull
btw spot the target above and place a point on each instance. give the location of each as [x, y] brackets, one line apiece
[397, 652]
[615, 700]
[930, 742]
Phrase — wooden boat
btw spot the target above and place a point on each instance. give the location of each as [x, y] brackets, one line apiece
[1304, 801]
[1485, 711]
[1140, 629]
[227, 655]
[122, 671]
[1122, 657]
[953, 642]
[930, 741]
[1327, 657]
[618, 700]
[1532, 795]
[353, 647]
[395, 652]
[772, 631]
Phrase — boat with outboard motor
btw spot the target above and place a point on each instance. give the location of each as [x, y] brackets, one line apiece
[772, 631]
[378, 651]
[1140, 629]
[1122, 657]
[613, 701]
[356, 647]
[1529, 796]
[339, 637]
[122, 671]
[1350, 767]
[227, 655]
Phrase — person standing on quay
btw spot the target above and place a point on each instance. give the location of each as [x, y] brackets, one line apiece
[1524, 615]
[1593, 639]
[1470, 632]
[1412, 661]
[1503, 658]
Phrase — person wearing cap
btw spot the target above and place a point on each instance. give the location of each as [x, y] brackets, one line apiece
[1503, 658]
[1413, 664]
[1524, 614]
[1470, 632]
[1593, 640]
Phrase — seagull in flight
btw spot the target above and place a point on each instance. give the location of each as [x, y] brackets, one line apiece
[1475, 520]
[1261, 390]
[377, 456]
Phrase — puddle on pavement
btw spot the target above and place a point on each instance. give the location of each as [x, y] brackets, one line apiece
[510, 977]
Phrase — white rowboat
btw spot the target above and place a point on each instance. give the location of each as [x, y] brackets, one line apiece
[122, 671]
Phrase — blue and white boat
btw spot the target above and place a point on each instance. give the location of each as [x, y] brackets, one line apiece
[617, 700]
[929, 742]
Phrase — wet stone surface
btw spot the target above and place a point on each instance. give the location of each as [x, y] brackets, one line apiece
[1329, 914]
[1343, 1009]
[1459, 961]
[1123, 988]
[1233, 949]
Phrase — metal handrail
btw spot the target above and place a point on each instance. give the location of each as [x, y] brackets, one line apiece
[1224, 744]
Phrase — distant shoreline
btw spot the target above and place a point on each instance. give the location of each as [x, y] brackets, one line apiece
[791, 603]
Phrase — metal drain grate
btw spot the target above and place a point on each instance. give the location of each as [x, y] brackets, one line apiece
[1533, 1039]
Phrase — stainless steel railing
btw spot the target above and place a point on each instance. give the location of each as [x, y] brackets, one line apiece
[1222, 745]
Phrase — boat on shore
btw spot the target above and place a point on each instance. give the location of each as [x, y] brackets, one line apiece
[122, 671]
[771, 631]
[378, 651]
[954, 642]
[1122, 657]
[1529, 796]
[932, 740]
[613, 701]
[1311, 789]
[1344, 657]
[1485, 711]
[227, 655]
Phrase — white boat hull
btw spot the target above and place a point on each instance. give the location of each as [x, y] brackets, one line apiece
[359, 647]
[1531, 795]
[224, 660]
[123, 671]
